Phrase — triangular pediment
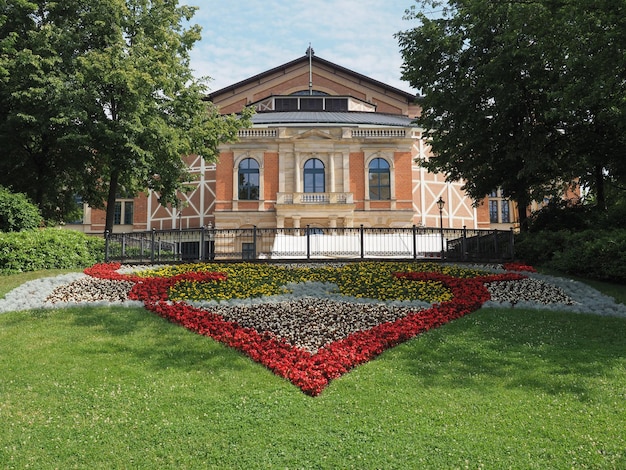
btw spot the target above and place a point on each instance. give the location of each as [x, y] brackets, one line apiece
[313, 134]
[316, 76]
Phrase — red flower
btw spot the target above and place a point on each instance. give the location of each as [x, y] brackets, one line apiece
[519, 267]
[310, 372]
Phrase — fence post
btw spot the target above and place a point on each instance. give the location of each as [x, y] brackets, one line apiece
[254, 234]
[152, 245]
[201, 251]
[308, 242]
[414, 242]
[106, 246]
[464, 244]
[512, 243]
[123, 247]
[142, 235]
[362, 232]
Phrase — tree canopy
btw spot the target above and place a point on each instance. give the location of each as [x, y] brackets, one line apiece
[520, 95]
[98, 100]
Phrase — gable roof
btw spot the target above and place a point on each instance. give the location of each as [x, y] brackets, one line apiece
[315, 59]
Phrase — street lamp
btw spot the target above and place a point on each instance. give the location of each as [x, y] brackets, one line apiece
[211, 241]
[440, 204]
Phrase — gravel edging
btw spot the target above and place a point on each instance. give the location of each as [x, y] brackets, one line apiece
[544, 291]
[35, 294]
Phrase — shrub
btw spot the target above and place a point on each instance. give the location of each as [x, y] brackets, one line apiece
[595, 254]
[48, 249]
[616, 216]
[539, 248]
[17, 213]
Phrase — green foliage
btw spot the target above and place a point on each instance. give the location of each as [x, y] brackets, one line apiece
[103, 387]
[40, 113]
[48, 249]
[563, 215]
[17, 212]
[592, 253]
[539, 247]
[525, 96]
[97, 98]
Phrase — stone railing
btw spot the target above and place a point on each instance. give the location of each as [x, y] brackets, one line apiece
[379, 133]
[314, 198]
[257, 133]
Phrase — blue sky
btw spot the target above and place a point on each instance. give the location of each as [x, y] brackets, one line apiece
[243, 38]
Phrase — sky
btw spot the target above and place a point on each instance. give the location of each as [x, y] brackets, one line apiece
[242, 38]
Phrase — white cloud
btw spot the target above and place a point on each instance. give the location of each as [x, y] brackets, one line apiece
[244, 38]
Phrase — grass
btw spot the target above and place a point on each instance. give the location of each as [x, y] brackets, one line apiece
[500, 388]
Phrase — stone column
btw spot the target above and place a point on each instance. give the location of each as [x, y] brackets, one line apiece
[297, 173]
[331, 163]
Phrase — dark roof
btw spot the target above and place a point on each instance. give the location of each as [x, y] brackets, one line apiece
[326, 117]
[409, 96]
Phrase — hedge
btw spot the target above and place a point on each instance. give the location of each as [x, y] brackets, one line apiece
[48, 249]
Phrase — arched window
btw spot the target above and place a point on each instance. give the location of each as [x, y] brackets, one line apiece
[379, 179]
[248, 180]
[314, 177]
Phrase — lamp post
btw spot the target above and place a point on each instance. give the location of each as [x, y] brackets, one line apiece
[440, 204]
[211, 241]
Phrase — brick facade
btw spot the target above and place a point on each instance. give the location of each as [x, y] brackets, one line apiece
[377, 125]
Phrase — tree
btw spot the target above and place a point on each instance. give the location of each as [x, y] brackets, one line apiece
[115, 104]
[37, 109]
[593, 94]
[495, 98]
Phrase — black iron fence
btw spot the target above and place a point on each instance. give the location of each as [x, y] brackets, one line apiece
[208, 244]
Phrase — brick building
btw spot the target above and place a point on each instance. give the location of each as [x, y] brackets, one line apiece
[328, 147]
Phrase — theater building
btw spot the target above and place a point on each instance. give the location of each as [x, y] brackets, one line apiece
[328, 147]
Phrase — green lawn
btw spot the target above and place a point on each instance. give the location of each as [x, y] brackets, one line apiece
[123, 388]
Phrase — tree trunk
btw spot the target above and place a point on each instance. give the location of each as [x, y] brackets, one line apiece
[110, 215]
[522, 215]
[599, 182]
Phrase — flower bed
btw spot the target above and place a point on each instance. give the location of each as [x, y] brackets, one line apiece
[451, 293]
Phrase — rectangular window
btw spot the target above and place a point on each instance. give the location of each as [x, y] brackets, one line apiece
[117, 217]
[124, 212]
[311, 104]
[286, 104]
[336, 104]
[506, 218]
[128, 212]
[380, 186]
[249, 187]
[493, 212]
